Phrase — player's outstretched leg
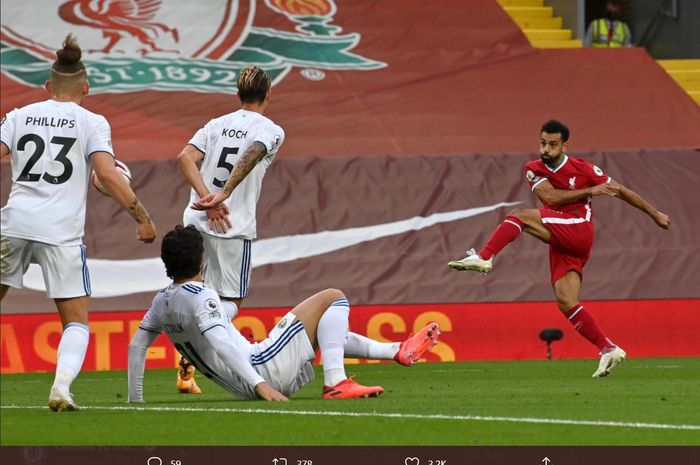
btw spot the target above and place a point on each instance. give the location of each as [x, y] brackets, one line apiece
[609, 360]
[186, 384]
[506, 232]
[325, 318]
[405, 353]
[416, 345]
[472, 262]
[349, 389]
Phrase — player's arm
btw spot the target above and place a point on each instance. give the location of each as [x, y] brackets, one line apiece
[7, 125]
[220, 340]
[245, 165]
[636, 200]
[121, 192]
[549, 195]
[187, 161]
[138, 346]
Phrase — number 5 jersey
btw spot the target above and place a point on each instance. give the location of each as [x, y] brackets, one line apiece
[223, 141]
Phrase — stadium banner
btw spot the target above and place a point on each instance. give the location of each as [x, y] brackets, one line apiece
[351, 78]
[497, 331]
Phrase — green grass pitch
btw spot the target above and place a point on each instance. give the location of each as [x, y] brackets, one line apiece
[644, 402]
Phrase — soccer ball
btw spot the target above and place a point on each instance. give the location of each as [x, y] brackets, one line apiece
[121, 167]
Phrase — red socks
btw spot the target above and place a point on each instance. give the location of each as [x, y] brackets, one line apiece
[505, 233]
[588, 328]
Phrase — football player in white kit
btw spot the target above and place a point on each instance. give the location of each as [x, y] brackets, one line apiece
[200, 328]
[54, 145]
[234, 152]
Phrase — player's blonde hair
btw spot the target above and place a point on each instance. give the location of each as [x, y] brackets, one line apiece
[253, 84]
[68, 72]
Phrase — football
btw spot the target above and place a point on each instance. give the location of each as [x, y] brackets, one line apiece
[121, 167]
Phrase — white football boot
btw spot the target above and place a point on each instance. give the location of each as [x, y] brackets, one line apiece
[608, 361]
[472, 262]
[61, 400]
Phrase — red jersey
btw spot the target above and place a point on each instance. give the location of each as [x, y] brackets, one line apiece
[572, 174]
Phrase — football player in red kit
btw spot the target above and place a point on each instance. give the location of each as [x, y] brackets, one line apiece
[565, 185]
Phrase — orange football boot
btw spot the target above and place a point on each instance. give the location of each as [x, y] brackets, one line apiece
[349, 389]
[415, 346]
[186, 383]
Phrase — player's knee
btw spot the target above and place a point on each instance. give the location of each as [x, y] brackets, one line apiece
[518, 213]
[565, 303]
[564, 306]
[333, 294]
[526, 215]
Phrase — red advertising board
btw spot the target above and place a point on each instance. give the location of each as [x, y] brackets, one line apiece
[502, 331]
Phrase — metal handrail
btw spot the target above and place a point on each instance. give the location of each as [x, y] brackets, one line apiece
[660, 13]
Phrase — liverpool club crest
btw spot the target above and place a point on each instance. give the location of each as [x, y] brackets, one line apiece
[174, 45]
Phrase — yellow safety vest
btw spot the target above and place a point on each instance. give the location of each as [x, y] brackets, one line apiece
[601, 37]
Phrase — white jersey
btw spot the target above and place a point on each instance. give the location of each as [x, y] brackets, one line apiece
[223, 141]
[51, 143]
[186, 312]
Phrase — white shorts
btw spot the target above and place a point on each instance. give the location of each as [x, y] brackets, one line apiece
[284, 358]
[227, 265]
[64, 266]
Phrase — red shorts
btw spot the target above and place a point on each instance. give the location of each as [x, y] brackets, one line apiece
[570, 243]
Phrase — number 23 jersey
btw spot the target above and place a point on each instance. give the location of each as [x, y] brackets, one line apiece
[50, 144]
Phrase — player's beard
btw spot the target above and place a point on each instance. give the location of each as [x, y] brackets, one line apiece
[549, 159]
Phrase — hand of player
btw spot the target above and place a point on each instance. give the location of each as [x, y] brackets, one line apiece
[606, 189]
[218, 219]
[267, 392]
[209, 201]
[662, 220]
[146, 232]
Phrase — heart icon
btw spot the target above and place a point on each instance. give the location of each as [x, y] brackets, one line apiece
[412, 461]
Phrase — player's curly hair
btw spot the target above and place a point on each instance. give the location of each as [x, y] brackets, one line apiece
[181, 251]
[553, 126]
[253, 84]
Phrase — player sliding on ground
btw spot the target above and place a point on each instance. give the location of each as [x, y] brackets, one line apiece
[565, 185]
[200, 328]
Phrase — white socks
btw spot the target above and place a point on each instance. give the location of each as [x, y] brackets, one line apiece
[71, 353]
[363, 347]
[331, 334]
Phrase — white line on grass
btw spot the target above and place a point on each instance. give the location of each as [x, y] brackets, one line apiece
[82, 380]
[412, 416]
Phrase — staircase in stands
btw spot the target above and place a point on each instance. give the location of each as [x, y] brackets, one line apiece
[686, 73]
[544, 30]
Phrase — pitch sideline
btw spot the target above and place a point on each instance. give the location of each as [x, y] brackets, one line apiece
[551, 421]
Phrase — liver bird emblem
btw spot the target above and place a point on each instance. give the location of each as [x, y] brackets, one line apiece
[119, 19]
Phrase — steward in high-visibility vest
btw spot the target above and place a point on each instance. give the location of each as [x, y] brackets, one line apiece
[603, 33]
